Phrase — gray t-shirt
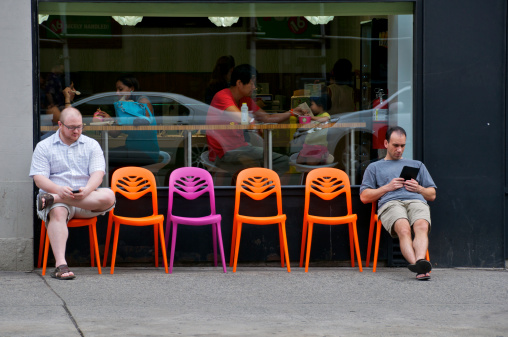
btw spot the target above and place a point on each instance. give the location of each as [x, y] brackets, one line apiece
[383, 171]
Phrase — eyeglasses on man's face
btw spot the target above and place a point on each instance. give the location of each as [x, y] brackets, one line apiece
[72, 128]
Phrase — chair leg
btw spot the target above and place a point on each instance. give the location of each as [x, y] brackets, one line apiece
[96, 247]
[163, 247]
[357, 246]
[156, 244]
[237, 244]
[214, 244]
[115, 246]
[285, 243]
[173, 245]
[166, 234]
[92, 245]
[221, 247]
[309, 242]
[304, 235]
[281, 246]
[369, 246]
[41, 243]
[45, 258]
[108, 237]
[351, 245]
[233, 244]
[427, 257]
[376, 248]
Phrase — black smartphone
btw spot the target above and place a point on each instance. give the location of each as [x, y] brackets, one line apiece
[409, 172]
[75, 191]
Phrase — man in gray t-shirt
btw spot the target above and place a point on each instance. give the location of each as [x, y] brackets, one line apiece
[402, 204]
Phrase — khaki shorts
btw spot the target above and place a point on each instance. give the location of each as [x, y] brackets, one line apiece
[72, 212]
[411, 210]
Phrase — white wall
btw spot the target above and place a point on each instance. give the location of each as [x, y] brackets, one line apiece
[16, 137]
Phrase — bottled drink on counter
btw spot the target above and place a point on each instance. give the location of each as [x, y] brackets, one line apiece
[245, 114]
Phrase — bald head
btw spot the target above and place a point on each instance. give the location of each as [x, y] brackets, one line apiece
[67, 112]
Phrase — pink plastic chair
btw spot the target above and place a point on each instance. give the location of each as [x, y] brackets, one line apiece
[191, 183]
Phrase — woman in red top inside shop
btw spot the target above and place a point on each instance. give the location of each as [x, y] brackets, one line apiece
[228, 148]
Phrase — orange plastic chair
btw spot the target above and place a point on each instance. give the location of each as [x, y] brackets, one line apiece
[375, 220]
[328, 183]
[133, 183]
[258, 183]
[94, 246]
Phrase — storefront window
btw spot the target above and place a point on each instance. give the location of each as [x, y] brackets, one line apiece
[351, 65]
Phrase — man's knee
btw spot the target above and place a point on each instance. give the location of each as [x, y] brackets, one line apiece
[402, 228]
[421, 226]
[106, 196]
[58, 215]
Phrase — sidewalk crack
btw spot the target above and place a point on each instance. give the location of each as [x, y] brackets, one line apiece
[64, 305]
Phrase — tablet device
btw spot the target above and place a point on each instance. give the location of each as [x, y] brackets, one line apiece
[409, 172]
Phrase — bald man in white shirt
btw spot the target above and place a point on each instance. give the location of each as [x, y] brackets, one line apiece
[68, 168]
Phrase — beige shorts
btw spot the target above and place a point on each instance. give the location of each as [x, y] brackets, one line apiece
[72, 212]
[411, 210]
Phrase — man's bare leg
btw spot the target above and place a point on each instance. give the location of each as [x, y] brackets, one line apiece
[421, 240]
[413, 250]
[403, 230]
[58, 234]
[98, 200]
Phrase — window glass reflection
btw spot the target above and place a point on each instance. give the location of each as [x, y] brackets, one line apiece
[345, 82]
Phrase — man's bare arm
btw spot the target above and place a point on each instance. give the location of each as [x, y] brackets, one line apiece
[65, 192]
[264, 117]
[234, 114]
[428, 193]
[93, 183]
[370, 195]
[47, 185]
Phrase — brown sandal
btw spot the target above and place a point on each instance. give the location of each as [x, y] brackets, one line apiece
[48, 201]
[60, 270]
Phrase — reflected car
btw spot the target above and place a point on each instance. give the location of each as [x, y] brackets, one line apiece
[362, 141]
[168, 108]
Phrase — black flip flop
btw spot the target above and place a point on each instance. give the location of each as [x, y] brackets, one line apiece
[48, 201]
[425, 277]
[421, 266]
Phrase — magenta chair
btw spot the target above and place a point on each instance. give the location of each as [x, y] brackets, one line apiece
[191, 183]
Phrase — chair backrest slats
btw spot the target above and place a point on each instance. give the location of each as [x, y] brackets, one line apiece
[258, 183]
[328, 183]
[191, 183]
[133, 183]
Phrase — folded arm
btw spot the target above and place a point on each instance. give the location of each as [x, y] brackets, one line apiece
[428, 193]
[65, 192]
[47, 185]
[370, 195]
[93, 183]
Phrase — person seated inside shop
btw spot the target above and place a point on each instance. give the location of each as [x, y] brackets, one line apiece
[315, 147]
[141, 146]
[229, 149]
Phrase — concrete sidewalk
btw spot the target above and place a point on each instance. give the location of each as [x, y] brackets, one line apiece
[255, 301]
